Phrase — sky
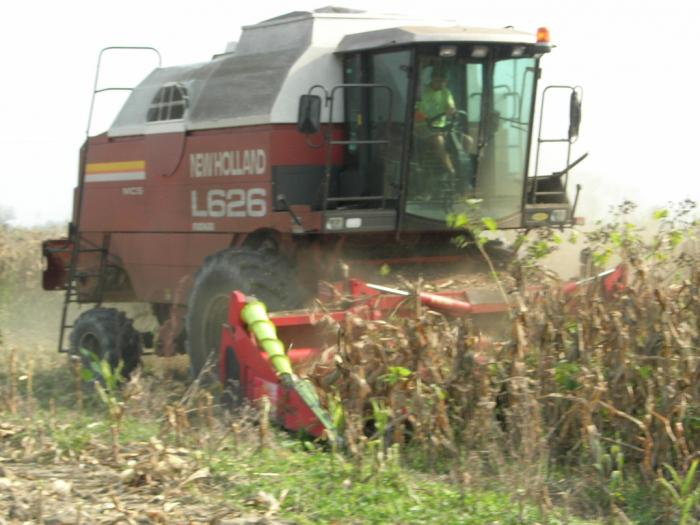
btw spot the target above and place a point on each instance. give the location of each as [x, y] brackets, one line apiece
[636, 61]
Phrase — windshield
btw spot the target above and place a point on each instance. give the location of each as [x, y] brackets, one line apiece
[470, 136]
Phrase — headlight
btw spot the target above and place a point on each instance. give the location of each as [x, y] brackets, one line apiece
[334, 223]
[354, 222]
[558, 216]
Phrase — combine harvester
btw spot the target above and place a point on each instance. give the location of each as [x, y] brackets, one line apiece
[321, 141]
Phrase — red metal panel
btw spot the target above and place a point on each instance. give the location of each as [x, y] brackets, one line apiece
[107, 206]
[183, 201]
[153, 215]
[164, 153]
[291, 148]
[160, 265]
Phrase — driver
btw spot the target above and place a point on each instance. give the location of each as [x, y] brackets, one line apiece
[436, 104]
[433, 110]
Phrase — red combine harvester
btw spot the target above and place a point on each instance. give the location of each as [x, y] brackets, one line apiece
[322, 141]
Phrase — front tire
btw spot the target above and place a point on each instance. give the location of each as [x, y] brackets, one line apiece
[109, 335]
[267, 276]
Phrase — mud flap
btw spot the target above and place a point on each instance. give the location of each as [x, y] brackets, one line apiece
[57, 253]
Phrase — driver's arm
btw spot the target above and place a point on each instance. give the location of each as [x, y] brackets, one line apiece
[450, 101]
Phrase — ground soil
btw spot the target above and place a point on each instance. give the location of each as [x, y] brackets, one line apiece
[149, 484]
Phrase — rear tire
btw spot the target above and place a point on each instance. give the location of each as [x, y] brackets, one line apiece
[108, 334]
[267, 276]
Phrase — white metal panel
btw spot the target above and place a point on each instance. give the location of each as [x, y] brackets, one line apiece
[165, 126]
[321, 65]
[278, 60]
[426, 34]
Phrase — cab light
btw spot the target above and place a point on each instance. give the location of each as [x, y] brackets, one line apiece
[517, 51]
[480, 51]
[543, 35]
[448, 51]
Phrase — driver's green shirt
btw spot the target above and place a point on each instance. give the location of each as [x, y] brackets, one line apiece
[433, 103]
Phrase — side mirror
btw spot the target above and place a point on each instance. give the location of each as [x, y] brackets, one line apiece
[309, 119]
[574, 114]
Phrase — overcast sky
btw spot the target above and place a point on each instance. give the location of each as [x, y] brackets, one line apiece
[635, 59]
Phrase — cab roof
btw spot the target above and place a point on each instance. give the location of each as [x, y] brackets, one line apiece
[397, 36]
[277, 60]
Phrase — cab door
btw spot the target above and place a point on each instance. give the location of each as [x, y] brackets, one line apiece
[376, 107]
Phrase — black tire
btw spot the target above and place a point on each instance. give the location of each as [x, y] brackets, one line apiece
[267, 276]
[109, 334]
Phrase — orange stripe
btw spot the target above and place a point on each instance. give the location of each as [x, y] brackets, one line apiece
[108, 167]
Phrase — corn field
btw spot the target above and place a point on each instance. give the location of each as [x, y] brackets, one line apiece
[28, 315]
[605, 382]
[20, 255]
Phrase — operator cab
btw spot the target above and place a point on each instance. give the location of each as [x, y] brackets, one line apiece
[438, 121]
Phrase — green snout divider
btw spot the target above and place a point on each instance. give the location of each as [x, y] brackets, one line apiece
[254, 315]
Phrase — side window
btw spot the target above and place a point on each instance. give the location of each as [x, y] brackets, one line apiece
[169, 103]
[386, 120]
[390, 69]
[474, 82]
[513, 85]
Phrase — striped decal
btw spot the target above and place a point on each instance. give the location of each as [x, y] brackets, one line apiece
[116, 171]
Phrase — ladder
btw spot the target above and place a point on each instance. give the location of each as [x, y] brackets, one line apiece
[75, 276]
[72, 295]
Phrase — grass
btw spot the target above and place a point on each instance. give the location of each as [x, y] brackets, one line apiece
[323, 489]
[289, 478]
[276, 474]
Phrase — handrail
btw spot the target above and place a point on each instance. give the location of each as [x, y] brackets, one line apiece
[97, 75]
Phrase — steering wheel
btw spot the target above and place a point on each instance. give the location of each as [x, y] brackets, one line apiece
[452, 120]
[431, 121]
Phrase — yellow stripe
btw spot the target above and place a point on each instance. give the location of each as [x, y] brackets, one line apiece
[105, 167]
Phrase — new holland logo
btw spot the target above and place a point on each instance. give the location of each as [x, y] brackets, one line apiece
[228, 163]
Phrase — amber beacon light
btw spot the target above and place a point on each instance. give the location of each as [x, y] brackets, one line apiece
[542, 35]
